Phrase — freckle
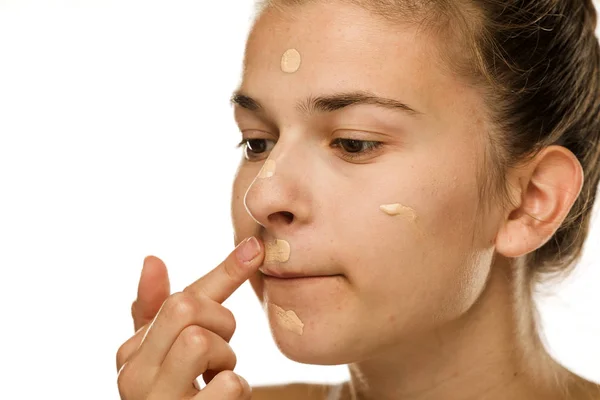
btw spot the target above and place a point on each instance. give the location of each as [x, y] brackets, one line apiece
[398, 209]
[290, 61]
[267, 170]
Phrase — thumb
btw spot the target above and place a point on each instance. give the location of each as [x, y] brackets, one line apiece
[153, 289]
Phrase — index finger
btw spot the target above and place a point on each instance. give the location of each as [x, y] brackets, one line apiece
[228, 276]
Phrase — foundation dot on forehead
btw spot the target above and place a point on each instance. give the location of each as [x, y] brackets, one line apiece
[398, 209]
[290, 61]
[267, 170]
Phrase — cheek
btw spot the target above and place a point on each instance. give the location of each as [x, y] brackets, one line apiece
[435, 263]
[448, 211]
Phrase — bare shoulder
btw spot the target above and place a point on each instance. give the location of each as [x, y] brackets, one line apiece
[292, 391]
[574, 387]
[585, 390]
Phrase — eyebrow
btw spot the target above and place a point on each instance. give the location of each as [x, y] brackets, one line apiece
[329, 103]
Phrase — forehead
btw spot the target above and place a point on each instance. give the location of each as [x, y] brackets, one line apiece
[343, 48]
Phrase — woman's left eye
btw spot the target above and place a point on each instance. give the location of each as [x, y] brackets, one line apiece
[354, 149]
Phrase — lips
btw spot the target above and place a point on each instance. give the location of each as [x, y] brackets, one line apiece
[286, 274]
[276, 265]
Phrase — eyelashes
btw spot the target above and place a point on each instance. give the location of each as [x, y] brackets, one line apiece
[354, 149]
[253, 148]
[348, 149]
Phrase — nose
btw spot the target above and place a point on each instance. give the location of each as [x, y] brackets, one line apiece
[280, 200]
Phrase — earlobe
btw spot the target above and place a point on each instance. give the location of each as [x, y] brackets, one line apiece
[548, 188]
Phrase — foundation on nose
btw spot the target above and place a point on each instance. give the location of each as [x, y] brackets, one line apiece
[288, 319]
[267, 170]
[398, 209]
[277, 251]
[290, 61]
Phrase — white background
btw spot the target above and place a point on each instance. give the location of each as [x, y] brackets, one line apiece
[117, 141]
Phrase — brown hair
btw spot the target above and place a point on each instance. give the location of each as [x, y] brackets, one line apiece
[537, 62]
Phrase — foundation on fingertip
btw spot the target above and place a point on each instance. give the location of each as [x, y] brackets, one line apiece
[277, 251]
[290, 61]
[398, 209]
[267, 170]
[288, 319]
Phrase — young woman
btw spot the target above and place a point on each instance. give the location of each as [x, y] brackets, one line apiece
[410, 170]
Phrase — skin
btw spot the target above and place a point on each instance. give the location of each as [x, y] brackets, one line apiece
[189, 334]
[419, 309]
[415, 316]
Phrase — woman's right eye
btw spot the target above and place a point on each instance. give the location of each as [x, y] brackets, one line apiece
[254, 149]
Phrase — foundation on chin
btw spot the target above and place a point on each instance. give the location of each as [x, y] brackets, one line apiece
[290, 61]
[277, 251]
[267, 170]
[288, 319]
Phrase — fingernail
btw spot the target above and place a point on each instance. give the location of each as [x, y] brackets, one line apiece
[248, 250]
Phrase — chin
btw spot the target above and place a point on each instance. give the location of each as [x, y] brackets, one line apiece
[322, 341]
[308, 350]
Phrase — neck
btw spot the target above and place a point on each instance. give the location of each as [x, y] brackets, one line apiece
[491, 351]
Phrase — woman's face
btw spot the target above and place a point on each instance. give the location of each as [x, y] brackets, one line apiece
[396, 276]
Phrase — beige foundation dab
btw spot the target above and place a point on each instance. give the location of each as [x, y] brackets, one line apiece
[288, 319]
[277, 251]
[267, 170]
[290, 61]
[398, 209]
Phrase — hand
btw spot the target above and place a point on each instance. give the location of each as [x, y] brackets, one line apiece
[188, 337]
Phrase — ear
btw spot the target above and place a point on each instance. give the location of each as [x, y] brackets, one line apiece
[545, 189]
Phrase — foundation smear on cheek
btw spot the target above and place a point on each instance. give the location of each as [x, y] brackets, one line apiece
[267, 170]
[277, 251]
[398, 209]
[289, 320]
[290, 61]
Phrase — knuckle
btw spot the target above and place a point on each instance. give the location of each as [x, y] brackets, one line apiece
[229, 322]
[124, 352]
[126, 380]
[232, 384]
[202, 301]
[196, 338]
[181, 306]
[231, 269]
[121, 357]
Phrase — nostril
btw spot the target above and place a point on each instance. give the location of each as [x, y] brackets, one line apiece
[284, 217]
[289, 217]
